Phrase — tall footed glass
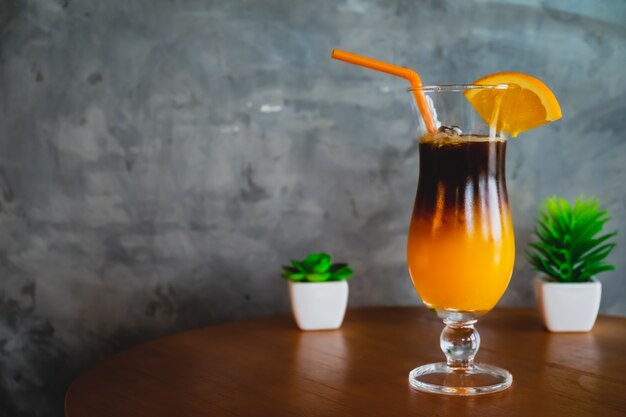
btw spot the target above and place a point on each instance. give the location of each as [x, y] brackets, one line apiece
[461, 246]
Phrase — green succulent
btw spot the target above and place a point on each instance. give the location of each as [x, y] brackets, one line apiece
[316, 267]
[570, 247]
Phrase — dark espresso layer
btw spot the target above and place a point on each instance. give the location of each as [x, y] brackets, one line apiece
[461, 181]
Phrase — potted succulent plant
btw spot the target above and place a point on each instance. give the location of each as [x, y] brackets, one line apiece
[318, 290]
[568, 254]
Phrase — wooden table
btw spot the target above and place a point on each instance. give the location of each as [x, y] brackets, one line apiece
[267, 367]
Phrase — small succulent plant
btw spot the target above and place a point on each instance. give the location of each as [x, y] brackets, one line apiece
[316, 267]
[569, 247]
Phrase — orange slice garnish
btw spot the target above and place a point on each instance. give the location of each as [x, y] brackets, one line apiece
[529, 104]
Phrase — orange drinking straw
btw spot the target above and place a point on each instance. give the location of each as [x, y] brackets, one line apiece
[405, 73]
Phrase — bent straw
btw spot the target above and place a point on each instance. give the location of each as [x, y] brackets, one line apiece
[405, 73]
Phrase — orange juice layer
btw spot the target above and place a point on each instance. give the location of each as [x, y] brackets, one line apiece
[452, 270]
[461, 247]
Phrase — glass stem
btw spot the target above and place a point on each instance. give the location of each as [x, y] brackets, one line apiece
[460, 342]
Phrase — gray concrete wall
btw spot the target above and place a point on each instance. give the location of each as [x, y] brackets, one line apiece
[160, 159]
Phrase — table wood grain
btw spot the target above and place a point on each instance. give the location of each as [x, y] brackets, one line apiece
[267, 367]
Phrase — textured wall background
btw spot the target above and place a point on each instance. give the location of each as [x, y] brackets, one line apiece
[160, 159]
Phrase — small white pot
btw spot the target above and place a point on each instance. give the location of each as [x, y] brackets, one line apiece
[319, 305]
[568, 307]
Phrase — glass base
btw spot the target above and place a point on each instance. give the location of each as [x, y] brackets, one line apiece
[476, 379]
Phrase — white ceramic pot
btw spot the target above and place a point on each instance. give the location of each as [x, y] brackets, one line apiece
[319, 305]
[568, 307]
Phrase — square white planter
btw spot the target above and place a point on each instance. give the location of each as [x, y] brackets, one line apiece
[568, 307]
[319, 305]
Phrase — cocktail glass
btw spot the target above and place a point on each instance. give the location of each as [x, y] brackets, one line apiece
[461, 247]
